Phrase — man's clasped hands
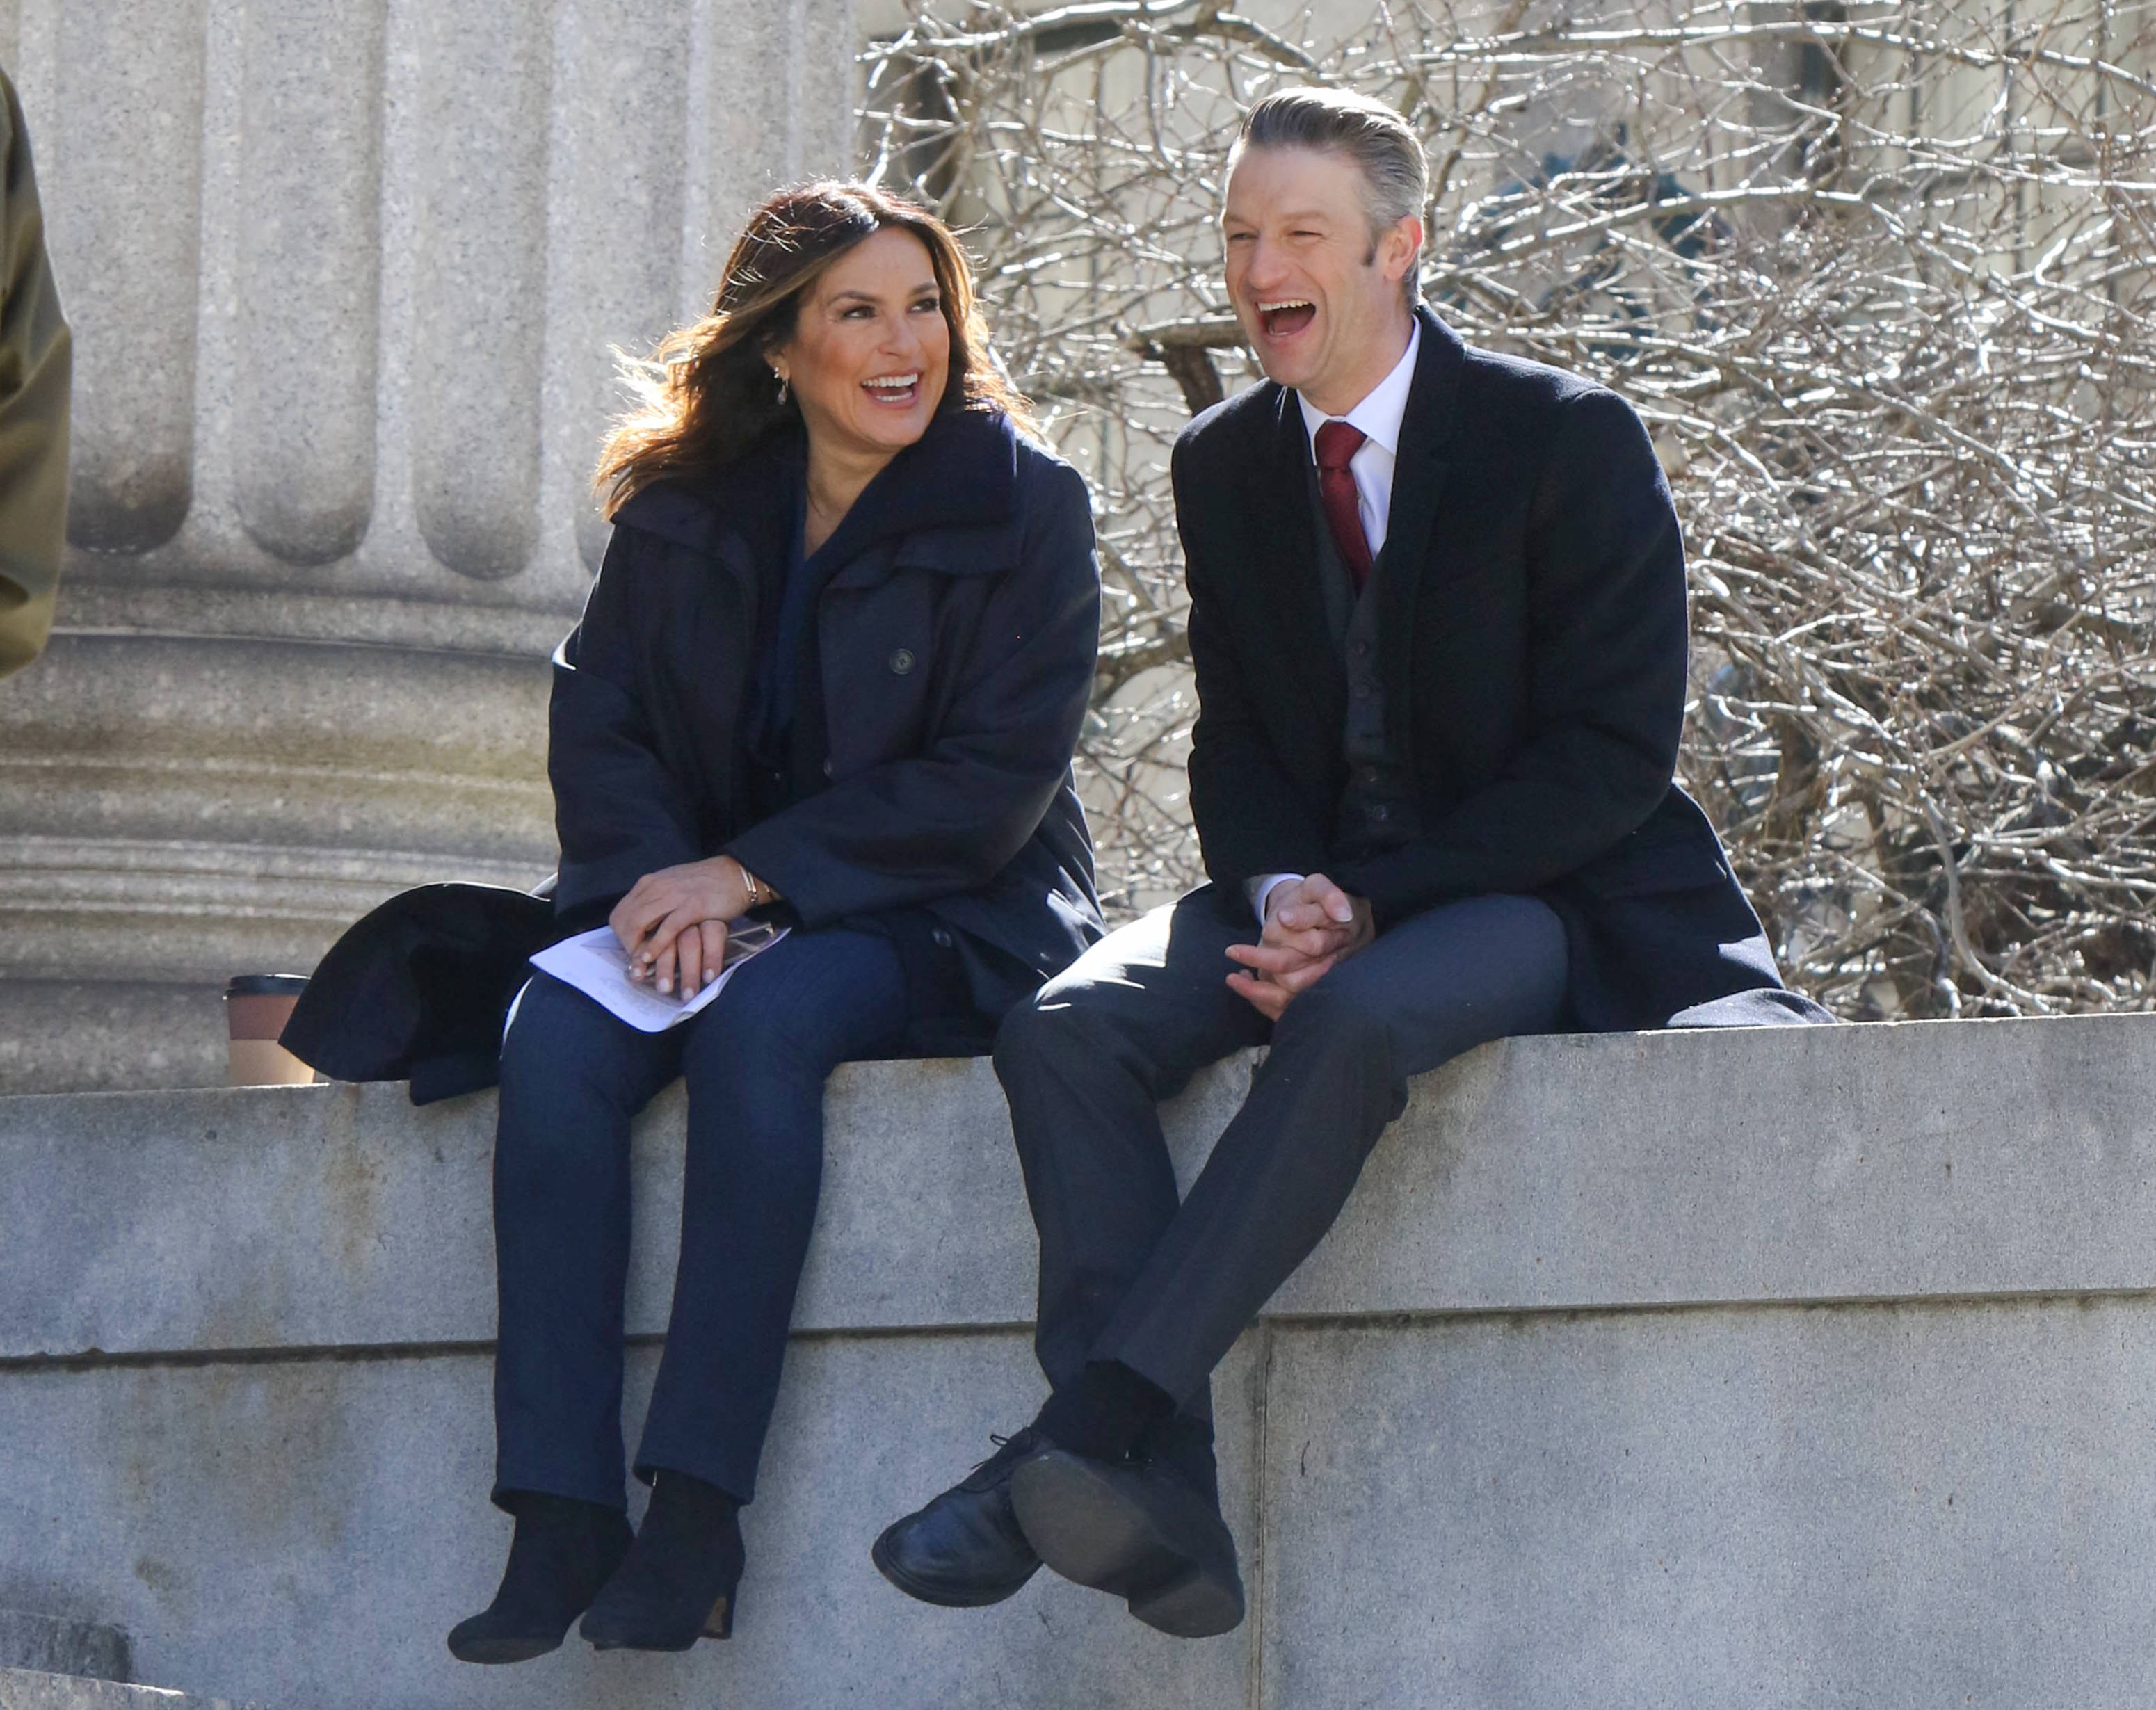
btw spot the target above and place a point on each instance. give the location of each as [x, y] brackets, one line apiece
[1310, 925]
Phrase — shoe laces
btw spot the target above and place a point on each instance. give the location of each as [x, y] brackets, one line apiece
[1007, 1448]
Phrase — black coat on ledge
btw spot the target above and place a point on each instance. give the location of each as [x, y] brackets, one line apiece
[953, 640]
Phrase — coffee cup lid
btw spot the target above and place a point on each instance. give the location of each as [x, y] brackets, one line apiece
[266, 985]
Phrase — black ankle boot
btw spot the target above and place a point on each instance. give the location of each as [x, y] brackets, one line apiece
[564, 1551]
[680, 1581]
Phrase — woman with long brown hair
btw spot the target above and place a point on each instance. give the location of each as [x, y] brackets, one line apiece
[831, 675]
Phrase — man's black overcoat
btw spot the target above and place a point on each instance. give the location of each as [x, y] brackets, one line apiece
[1532, 641]
[956, 642]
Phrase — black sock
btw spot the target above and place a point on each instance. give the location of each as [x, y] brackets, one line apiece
[1105, 1413]
[1185, 1444]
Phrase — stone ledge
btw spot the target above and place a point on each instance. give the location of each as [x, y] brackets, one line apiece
[1927, 1160]
[28, 1689]
[1471, 1454]
[49, 1644]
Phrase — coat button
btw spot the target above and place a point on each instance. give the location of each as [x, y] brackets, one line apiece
[941, 935]
[828, 773]
[902, 662]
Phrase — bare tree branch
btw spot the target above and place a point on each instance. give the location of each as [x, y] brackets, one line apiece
[1879, 276]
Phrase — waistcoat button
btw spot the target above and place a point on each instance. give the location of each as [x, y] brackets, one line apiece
[902, 662]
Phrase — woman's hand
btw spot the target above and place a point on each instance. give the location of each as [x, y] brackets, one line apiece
[692, 961]
[672, 922]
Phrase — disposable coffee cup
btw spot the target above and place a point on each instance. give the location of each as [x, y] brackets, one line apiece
[256, 1007]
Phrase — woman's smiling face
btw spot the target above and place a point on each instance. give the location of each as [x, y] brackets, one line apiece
[869, 355]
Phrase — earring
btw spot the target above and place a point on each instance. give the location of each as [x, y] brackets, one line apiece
[781, 391]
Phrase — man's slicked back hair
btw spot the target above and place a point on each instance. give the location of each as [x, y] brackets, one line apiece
[1384, 147]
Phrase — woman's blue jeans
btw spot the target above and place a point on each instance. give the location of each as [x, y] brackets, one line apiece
[572, 1076]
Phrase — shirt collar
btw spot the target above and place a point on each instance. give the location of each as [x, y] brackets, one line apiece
[1383, 408]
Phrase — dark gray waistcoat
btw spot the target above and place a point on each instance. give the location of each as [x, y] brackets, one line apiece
[1377, 807]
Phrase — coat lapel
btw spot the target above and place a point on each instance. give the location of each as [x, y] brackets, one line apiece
[1418, 473]
[1285, 559]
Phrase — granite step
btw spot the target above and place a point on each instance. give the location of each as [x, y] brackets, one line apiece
[34, 1689]
[53, 1645]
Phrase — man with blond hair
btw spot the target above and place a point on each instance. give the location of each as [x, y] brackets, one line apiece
[1437, 618]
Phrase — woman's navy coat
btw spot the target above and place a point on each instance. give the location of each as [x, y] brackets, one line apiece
[955, 644]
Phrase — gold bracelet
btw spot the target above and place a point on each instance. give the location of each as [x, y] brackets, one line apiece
[759, 893]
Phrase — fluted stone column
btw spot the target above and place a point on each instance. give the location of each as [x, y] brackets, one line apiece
[344, 275]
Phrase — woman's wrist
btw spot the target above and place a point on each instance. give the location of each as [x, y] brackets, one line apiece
[758, 894]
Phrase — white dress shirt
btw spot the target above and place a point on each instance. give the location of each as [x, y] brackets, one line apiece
[1383, 408]
[1379, 416]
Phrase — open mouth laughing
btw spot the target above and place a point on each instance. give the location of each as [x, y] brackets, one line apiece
[896, 391]
[1283, 317]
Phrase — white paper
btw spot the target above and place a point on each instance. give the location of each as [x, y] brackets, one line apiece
[595, 964]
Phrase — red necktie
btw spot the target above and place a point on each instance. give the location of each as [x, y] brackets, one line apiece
[1337, 442]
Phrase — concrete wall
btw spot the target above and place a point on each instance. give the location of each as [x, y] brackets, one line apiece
[345, 277]
[1800, 1367]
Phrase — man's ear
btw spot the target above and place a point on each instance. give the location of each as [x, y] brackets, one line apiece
[1400, 248]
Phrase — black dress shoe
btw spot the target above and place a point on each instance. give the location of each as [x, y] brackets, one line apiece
[681, 1580]
[964, 1550]
[1138, 1529]
[564, 1551]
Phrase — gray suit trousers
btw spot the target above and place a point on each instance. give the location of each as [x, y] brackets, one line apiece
[1128, 1273]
